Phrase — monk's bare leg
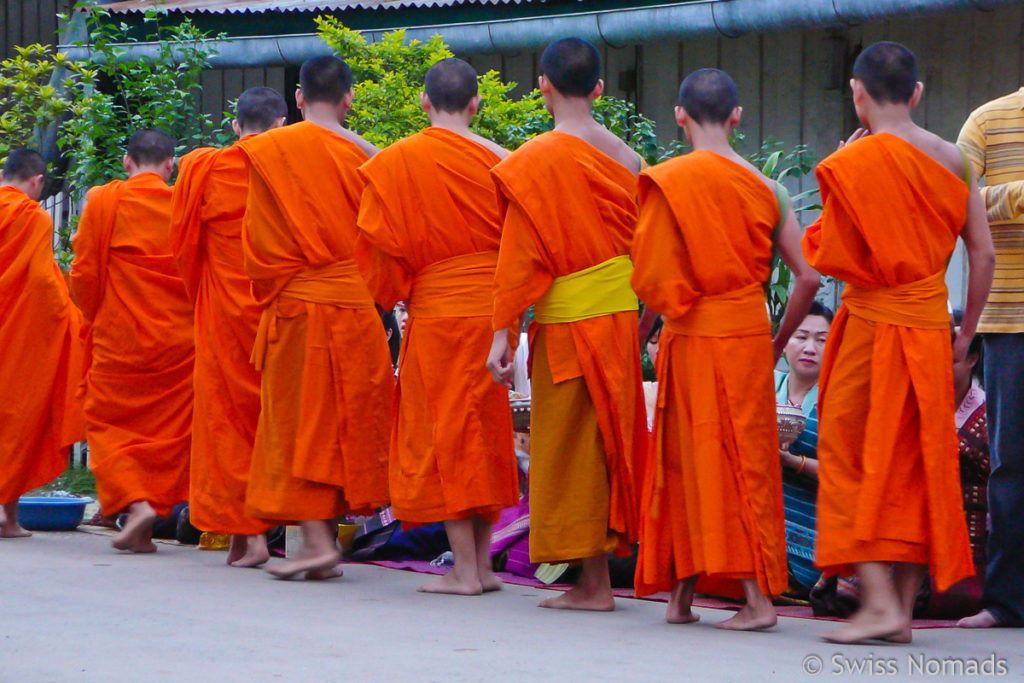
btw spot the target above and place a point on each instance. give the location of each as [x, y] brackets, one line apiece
[482, 530]
[881, 614]
[318, 557]
[592, 592]
[9, 527]
[138, 529]
[461, 579]
[758, 613]
[680, 602]
[255, 552]
[908, 579]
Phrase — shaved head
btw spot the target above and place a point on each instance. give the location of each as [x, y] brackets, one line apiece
[888, 72]
[150, 147]
[23, 164]
[572, 65]
[709, 96]
[259, 108]
[450, 84]
[325, 79]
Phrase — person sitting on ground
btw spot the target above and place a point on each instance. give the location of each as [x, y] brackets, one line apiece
[799, 388]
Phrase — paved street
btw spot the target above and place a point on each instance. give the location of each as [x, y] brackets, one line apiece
[71, 609]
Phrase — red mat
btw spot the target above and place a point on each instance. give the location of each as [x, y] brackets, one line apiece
[797, 611]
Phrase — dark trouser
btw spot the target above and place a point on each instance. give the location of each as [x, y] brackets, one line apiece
[1004, 391]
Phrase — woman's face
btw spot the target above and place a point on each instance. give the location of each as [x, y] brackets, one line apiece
[652, 347]
[805, 347]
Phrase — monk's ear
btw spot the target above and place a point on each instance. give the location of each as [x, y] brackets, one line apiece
[544, 85]
[236, 127]
[474, 105]
[598, 89]
[36, 184]
[425, 102]
[300, 101]
[279, 122]
[681, 116]
[347, 99]
[735, 117]
[915, 99]
[128, 164]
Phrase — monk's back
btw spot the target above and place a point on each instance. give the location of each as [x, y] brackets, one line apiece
[726, 215]
[225, 194]
[144, 319]
[445, 193]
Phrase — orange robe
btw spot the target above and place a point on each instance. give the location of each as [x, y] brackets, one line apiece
[322, 439]
[429, 233]
[206, 230]
[138, 389]
[889, 480]
[41, 361]
[712, 498]
[567, 207]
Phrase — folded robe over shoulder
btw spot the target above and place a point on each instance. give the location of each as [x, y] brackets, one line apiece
[568, 207]
[712, 499]
[889, 475]
[327, 385]
[138, 399]
[429, 233]
[41, 361]
[206, 230]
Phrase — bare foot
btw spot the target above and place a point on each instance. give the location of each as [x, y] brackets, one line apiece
[490, 582]
[252, 559]
[144, 547]
[14, 530]
[904, 636]
[237, 549]
[310, 563]
[750, 618]
[872, 624]
[983, 619]
[324, 574]
[680, 602]
[450, 584]
[139, 523]
[580, 598]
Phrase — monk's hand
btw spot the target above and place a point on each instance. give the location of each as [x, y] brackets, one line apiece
[857, 135]
[499, 360]
[961, 345]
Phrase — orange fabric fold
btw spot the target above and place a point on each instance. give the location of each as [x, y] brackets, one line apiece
[321, 440]
[138, 389]
[41, 364]
[207, 207]
[712, 495]
[567, 207]
[429, 233]
[889, 478]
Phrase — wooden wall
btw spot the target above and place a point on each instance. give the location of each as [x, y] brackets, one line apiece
[23, 22]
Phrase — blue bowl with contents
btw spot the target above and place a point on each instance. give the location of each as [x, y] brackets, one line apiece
[56, 513]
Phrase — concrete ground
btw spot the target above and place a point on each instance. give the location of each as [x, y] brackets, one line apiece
[72, 609]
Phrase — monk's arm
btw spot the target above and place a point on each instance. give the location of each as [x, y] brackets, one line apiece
[787, 241]
[981, 262]
[84, 280]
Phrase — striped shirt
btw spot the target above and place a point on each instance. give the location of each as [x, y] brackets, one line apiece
[993, 140]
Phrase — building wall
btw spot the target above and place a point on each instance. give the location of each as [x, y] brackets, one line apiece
[23, 22]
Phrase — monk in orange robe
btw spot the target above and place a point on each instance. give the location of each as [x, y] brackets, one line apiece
[429, 234]
[206, 231]
[42, 359]
[895, 199]
[568, 198]
[327, 383]
[712, 517]
[138, 389]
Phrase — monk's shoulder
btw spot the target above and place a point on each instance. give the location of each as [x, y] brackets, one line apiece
[616, 148]
[944, 152]
[490, 145]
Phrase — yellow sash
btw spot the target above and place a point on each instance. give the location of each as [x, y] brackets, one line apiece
[603, 289]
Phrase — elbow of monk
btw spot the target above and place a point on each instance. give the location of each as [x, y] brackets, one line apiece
[808, 279]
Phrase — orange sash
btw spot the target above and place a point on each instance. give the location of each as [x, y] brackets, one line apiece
[920, 304]
[458, 287]
[738, 313]
[338, 284]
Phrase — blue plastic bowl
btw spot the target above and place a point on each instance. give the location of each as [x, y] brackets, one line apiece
[62, 513]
